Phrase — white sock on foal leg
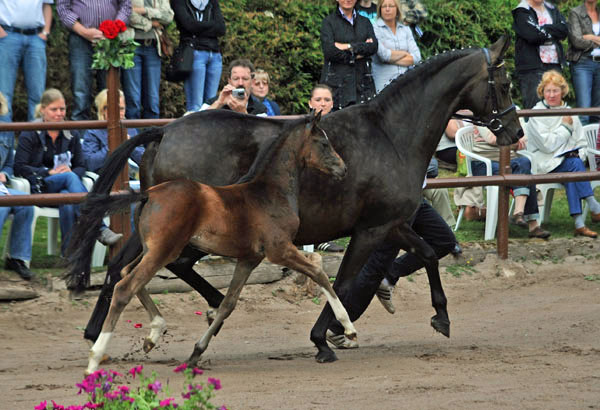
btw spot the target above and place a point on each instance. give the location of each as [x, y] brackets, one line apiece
[340, 314]
[97, 352]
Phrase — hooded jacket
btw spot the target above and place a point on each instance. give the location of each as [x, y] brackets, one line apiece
[530, 35]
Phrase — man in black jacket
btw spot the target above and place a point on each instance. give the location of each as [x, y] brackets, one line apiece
[348, 42]
[230, 98]
[540, 28]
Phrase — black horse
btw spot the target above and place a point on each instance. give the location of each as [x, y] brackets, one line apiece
[386, 144]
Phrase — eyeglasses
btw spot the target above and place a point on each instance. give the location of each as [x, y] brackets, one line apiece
[389, 6]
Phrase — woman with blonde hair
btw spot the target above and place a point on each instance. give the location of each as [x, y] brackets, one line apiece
[95, 141]
[260, 89]
[397, 49]
[558, 145]
[52, 161]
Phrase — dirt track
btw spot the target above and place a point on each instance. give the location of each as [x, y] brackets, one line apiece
[529, 341]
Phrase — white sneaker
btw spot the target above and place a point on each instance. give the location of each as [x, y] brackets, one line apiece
[341, 341]
[108, 237]
[384, 294]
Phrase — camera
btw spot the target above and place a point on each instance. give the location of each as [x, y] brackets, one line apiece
[239, 93]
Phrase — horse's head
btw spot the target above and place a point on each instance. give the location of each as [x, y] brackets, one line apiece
[317, 151]
[490, 98]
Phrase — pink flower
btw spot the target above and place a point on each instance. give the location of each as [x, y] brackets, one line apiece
[197, 372]
[75, 408]
[128, 320]
[180, 368]
[136, 370]
[215, 382]
[115, 374]
[155, 387]
[123, 389]
[41, 406]
[198, 312]
[167, 402]
[90, 405]
[129, 399]
[56, 406]
[186, 395]
[223, 407]
[137, 325]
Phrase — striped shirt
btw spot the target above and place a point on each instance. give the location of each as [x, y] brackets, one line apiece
[90, 13]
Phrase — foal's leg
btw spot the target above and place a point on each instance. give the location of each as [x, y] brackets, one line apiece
[158, 325]
[294, 259]
[124, 291]
[242, 271]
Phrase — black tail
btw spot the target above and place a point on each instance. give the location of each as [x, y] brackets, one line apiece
[96, 206]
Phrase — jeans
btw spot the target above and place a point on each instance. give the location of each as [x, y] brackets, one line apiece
[29, 53]
[529, 81]
[521, 166]
[80, 61]
[67, 182]
[430, 226]
[586, 81]
[203, 82]
[576, 191]
[20, 233]
[141, 84]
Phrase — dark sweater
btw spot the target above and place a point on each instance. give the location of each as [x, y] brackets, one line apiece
[204, 34]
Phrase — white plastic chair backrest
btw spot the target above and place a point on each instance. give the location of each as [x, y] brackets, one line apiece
[590, 132]
[464, 139]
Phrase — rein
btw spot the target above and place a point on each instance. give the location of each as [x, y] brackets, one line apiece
[494, 123]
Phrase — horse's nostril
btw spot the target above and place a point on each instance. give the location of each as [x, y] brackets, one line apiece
[520, 133]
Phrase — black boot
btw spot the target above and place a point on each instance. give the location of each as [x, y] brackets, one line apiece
[18, 266]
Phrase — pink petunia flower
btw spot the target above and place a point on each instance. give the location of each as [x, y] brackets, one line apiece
[223, 407]
[198, 312]
[197, 372]
[42, 406]
[155, 387]
[136, 370]
[56, 406]
[137, 325]
[75, 408]
[123, 389]
[180, 368]
[215, 382]
[186, 395]
[90, 405]
[167, 402]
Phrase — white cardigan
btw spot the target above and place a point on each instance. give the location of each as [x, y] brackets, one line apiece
[549, 136]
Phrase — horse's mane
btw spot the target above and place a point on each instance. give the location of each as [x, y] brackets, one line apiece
[423, 70]
[271, 146]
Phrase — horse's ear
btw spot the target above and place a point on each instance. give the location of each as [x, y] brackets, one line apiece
[499, 47]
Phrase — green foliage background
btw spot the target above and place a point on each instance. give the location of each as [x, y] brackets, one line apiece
[282, 37]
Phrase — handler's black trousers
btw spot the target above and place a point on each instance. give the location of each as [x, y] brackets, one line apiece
[430, 226]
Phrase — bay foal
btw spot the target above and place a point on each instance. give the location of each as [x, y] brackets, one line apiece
[251, 220]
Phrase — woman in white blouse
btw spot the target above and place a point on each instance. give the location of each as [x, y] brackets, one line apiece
[397, 48]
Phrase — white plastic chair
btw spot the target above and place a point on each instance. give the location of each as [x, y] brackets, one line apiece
[464, 140]
[591, 132]
[51, 213]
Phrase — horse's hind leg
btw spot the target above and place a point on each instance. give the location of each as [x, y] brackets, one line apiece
[124, 291]
[158, 325]
[242, 271]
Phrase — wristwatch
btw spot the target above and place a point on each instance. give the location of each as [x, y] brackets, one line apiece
[46, 33]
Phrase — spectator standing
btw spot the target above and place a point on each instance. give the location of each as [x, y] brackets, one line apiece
[141, 84]
[24, 30]
[20, 233]
[201, 23]
[397, 49]
[558, 145]
[240, 78]
[260, 90]
[348, 42]
[52, 161]
[584, 55]
[83, 18]
[368, 9]
[540, 28]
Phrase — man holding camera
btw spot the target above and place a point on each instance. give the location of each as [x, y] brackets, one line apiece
[236, 95]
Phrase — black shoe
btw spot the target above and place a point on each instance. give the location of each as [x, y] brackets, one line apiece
[457, 250]
[330, 247]
[18, 266]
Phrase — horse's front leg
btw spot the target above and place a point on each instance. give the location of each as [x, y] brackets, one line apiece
[311, 266]
[242, 272]
[420, 248]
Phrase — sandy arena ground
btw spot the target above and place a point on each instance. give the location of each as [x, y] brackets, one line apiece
[528, 341]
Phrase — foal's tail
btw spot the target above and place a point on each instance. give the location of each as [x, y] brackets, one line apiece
[97, 204]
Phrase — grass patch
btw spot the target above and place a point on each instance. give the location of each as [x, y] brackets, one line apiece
[458, 270]
[593, 278]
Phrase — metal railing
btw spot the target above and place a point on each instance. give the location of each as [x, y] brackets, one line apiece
[117, 134]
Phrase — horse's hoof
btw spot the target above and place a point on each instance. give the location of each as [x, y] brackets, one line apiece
[441, 325]
[148, 345]
[326, 357]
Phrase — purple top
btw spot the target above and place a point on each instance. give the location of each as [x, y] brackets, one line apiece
[91, 13]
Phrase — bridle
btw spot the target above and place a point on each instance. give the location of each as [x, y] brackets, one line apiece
[495, 122]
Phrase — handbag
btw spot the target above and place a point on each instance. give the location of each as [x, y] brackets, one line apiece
[181, 63]
[166, 45]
